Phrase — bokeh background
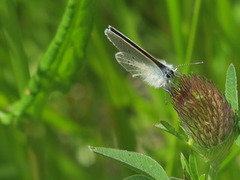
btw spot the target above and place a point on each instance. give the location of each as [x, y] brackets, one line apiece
[103, 105]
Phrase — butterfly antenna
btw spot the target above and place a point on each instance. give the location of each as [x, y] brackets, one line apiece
[189, 64]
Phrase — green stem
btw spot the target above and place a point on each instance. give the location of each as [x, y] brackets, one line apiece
[14, 42]
[192, 35]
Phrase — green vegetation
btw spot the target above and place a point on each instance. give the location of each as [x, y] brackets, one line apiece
[62, 89]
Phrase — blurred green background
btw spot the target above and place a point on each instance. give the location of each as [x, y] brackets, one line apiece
[101, 104]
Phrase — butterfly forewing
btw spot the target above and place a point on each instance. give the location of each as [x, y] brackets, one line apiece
[124, 44]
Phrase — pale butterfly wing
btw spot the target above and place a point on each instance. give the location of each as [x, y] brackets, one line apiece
[144, 69]
[139, 62]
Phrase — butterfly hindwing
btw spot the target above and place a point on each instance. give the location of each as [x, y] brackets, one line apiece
[144, 69]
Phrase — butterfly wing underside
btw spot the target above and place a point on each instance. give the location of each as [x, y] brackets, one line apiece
[141, 68]
[134, 61]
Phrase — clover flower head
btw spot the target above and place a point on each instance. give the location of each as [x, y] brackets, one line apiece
[206, 116]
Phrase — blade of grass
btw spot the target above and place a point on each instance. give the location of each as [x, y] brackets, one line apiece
[12, 34]
[175, 20]
[192, 33]
[225, 16]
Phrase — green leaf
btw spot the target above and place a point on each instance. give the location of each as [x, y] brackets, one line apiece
[238, 140]
[165, 126]
[184, 163]
[190, 166]
[231, 92]
[137, 177]
[138, 162]
[202, 177]
[193, 166]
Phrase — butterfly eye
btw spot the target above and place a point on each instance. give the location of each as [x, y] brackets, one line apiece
[169, 74]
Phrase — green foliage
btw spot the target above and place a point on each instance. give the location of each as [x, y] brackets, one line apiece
[135, 161]
[202, 177]
[190, 168]
[231, 91]
[62, 59]
[165, 126]
[13, 39]
[137, 177]
[62, 90]
[238, 141]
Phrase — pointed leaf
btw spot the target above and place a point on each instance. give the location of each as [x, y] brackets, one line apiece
[138, 162]
[231, 92]
[185, 166]
[184, 163]
[189, 166]
[193, 166]
[165, 126]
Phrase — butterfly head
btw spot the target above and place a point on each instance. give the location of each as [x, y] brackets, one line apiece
[169, 73]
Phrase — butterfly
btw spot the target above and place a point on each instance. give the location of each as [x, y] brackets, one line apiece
[140, 63]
